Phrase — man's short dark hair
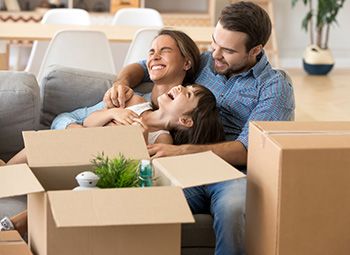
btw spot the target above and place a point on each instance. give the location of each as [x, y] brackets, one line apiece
[248, 18]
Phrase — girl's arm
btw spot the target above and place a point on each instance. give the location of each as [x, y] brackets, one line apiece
[74, 118]
[101, 118]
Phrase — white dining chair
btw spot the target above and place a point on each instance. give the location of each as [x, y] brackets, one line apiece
[54, 16]
[84, 49]
[138, 17]
[140, 45]
[143, 17]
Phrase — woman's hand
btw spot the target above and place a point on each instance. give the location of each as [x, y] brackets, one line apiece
[117, 95]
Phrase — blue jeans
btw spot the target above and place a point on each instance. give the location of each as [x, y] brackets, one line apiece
[225, 201]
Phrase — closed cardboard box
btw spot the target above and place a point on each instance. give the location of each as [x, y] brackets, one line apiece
[123, 221]
[298, 193]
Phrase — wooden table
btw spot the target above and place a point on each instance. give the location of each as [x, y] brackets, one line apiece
[38, 31]
[44, 32]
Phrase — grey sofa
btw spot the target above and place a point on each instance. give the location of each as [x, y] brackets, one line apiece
[26, 106]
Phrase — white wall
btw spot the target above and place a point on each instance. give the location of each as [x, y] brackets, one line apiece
[292, 39]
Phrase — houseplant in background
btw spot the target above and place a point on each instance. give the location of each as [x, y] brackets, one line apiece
[321, 15]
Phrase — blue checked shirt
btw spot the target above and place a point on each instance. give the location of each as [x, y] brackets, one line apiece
[260, 93]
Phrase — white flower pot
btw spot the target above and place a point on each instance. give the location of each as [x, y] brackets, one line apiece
[317, 61]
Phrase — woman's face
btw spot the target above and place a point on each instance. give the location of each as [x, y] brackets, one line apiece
[164, 62]
[178, 101]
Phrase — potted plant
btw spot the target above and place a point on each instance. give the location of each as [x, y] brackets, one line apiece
[321, 15]
[117, 172]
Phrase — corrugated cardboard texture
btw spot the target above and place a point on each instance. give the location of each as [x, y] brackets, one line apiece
[76, 147]
[124, 206]
[310, 202]
[11, 243]
[17, 180]
[194, 169]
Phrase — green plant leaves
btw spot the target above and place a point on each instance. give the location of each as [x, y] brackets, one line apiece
[117, 172]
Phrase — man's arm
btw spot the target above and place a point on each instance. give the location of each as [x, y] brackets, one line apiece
[233, 152]
[119, 93]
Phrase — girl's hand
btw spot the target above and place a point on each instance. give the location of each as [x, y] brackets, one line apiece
[123, 116]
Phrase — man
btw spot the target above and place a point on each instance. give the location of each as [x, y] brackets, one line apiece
[246, 87]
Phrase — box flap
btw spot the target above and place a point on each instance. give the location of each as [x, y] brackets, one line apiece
[124, 206]
[18, 180]
[299, 127]
[11, 243]
[195, 169]
[305, 135]
[7, 236]
[78, 146]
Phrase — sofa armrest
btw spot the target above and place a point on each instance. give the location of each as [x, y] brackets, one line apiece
[19, 110]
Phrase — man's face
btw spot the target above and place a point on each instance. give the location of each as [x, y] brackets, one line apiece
[229, 52]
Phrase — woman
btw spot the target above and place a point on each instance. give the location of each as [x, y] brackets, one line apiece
[173, 59]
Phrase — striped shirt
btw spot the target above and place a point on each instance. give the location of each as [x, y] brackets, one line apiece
[260, 93]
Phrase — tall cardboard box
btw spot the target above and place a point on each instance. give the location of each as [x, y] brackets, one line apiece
[298, 191]
[105, 221]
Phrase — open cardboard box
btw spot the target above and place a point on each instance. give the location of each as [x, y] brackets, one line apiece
[298, 191]
[11, 243]
[105, 221]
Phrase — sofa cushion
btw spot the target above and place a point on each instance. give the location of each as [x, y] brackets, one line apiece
[199, 235]
[65, 89]
[19, 110]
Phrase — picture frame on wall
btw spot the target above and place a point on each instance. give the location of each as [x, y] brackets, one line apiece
[12, 5]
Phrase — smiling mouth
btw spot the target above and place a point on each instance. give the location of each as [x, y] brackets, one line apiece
[157, 67]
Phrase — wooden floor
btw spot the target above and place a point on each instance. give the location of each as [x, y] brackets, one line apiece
[323, 98]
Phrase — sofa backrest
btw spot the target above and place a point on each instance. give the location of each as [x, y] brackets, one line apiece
[65, 89]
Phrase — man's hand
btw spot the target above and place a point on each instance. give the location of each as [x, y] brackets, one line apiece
[163, 150]
[117, 95]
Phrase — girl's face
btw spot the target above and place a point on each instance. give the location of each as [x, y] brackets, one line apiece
[177, 102]
[165, 63]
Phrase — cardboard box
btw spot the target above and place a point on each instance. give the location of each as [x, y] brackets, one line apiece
[11, 243]
[106, 221]
[298, 193]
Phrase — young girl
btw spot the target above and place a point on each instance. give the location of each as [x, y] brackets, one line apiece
[188, 112]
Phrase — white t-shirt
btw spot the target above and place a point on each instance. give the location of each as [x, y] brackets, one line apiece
[139, 109]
